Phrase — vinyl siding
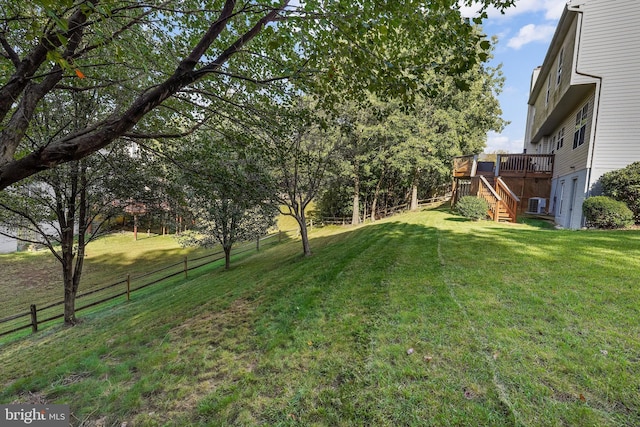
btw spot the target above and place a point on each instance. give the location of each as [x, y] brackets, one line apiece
[567, 158]
[610, 49]
[542, 107]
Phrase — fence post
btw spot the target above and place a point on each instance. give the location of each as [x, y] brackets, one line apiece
[279, 236]
[258, 244]
[128, 287]
[34, 318]
[185, 267]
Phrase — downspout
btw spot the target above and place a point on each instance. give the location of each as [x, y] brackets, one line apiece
[596, 103]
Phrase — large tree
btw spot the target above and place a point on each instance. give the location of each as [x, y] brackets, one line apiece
[396, 151]
[150, 62]
[301, 152]
[66, 208]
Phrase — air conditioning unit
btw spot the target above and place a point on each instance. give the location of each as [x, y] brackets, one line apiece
[537, 205]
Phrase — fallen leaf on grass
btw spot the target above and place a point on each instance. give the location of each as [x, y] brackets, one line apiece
[582, 398]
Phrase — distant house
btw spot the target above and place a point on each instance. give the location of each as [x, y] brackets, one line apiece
[583, 118]
[584, 104]
[7, 244]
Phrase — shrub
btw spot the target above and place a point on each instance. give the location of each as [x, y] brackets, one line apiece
[472, 207]
[605, 212]
[624, 185]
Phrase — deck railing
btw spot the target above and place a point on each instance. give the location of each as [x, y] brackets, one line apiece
[464, 166]
[524, 164]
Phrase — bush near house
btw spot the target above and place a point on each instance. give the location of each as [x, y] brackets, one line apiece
[472, 207]
[605, 212]
[624, 185]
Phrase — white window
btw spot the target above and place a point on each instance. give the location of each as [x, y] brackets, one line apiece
[581, 126]
[560, 139]
[546, 101]
[559, 70]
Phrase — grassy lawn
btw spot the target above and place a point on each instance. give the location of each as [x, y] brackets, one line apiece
[421, 319]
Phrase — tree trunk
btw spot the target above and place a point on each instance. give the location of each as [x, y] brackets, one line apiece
[69, 303]
[227, 257]
[67, 276]
[355, 218]
[374, 203]
[304, 234]
[414, 197]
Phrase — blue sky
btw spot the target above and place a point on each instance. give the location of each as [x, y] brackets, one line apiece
[524, 33]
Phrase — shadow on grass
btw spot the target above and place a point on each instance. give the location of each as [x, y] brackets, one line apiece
[457, 219]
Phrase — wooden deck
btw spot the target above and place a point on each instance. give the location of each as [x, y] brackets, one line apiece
[511, 165]
[513, 179]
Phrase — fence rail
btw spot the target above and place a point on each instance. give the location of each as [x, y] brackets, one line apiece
[37, 316]
[384, 212]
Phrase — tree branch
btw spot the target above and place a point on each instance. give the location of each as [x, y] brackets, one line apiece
[11, 54]
[88, 141]
[10, 92]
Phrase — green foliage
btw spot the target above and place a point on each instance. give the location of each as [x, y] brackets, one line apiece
[391, 148]
[605, 212]
[471, 207]
[624, 185]
[226, 189]
[201, 63]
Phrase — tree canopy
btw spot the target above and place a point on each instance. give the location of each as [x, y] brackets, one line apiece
[161, 68]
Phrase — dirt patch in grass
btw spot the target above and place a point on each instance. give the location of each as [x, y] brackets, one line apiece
[31, 399]
[209, 349]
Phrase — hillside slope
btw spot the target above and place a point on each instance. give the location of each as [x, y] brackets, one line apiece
[422, 319]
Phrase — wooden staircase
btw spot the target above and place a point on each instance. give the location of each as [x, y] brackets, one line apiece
[503, 203]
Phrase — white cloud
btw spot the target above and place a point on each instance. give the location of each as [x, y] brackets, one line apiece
[555, 11]
[552, 9]
[501, 142]
[531, 33]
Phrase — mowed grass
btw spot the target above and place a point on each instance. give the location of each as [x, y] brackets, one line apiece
[422, 319]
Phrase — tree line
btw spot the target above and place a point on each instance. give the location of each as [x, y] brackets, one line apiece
[226, 111]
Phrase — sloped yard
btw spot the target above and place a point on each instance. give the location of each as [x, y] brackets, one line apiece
[422, 319]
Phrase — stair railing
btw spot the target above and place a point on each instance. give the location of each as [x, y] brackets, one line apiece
[486, 191]
[509, 199]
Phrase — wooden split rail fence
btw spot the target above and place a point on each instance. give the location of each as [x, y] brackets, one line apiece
[44, 314]
[385, 212]
[39, 315]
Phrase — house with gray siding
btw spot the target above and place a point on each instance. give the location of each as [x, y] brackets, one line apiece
[584, 104]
